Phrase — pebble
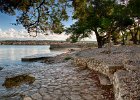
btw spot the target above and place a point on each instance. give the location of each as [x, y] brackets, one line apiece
[36, 96]
[27, 98]
[47, 97]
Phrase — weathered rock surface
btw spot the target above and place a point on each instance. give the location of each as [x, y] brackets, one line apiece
[127, 85]
[120, 68]
[33, 58]
[61, 81]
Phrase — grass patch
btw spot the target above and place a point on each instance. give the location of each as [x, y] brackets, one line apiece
[18, 80]
[67, 58]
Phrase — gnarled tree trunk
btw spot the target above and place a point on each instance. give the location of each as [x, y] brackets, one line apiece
[100, 39]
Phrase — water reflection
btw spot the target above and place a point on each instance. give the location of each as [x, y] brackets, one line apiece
[13, 53]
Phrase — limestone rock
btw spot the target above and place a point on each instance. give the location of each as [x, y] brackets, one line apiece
[104, 80]
[36, 96]
[27, 98]
[126, 85]
[80, 62]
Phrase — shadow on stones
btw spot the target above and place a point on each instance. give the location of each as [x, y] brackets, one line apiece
[108, 89]
[109, 94]
[18, 80]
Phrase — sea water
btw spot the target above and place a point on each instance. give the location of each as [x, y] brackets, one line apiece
[12, 54]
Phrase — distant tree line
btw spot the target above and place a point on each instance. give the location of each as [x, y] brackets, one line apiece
[111, 20]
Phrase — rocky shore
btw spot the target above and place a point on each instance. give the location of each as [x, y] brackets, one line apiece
[57, 81]
[89, 74]
[121, 69]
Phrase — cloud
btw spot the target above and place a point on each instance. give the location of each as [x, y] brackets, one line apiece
[24, 35]
[13, 34]
[91, 38]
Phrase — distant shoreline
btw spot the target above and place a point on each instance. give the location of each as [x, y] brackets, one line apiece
[27, 42]
[53, 44]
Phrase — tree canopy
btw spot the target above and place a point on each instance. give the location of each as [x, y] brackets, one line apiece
[37, 15]
[107, 18]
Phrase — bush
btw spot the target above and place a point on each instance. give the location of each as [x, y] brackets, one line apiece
[67, 58]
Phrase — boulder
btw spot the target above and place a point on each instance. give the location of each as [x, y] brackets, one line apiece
[104, 80]
[126, 85]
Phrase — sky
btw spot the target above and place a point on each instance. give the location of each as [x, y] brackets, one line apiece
[9, 31]
[6, 22]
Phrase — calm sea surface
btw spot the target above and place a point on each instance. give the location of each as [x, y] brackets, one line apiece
[12, 54]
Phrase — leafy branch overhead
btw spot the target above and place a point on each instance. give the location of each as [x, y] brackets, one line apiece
[108, 19]
[37, 15]
[104, 17]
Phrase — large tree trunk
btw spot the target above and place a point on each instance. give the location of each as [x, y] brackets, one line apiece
[123, 38]
[109, 42]
[99, 38]
[134, 38]
[114, 39]
[139, 38]
[99, 41]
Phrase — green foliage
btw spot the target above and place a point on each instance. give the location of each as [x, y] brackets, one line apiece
[105, 17]
[37, 15]
[105, 23]
[67, 58]
[101, 16]
[94, 16]
[134, 7]
[78, 31]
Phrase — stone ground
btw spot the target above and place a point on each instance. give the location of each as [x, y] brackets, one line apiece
[121, 66]
[60, 81]
[119, 54]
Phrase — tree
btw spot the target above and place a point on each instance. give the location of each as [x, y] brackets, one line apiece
[94, 15]
[104, 17]
[133, 8]
[123, 21]
[78, 31]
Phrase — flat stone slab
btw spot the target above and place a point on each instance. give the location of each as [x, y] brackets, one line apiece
[37, 57]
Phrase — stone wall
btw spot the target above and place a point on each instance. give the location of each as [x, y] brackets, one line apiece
[96, 65]
[127, 85]
[125, 78]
